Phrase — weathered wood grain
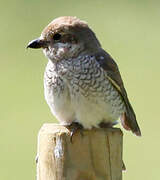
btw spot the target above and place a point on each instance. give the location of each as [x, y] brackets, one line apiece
[97, 155]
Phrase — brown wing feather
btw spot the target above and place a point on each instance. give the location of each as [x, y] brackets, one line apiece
[128, 119]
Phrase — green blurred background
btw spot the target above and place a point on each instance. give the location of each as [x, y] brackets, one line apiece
[128, 30]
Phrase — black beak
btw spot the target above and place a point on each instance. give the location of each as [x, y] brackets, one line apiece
[37, 43]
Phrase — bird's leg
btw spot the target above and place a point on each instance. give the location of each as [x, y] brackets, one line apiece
[74, 127]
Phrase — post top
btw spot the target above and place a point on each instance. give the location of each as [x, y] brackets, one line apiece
[52, 128]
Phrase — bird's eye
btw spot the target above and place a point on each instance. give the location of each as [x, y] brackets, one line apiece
[57, 36]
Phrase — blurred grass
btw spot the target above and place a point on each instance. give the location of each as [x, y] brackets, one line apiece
[128, 30]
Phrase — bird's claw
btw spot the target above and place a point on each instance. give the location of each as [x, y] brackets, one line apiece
[74, 127]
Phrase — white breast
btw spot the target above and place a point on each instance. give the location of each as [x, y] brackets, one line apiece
[57, 96]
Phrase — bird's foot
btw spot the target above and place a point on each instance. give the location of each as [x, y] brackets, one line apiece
[74, 127]
[106, 125]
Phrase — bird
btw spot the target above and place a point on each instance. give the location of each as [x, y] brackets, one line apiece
[82, 82]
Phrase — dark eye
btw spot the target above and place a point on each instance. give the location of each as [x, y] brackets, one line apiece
[57, 36]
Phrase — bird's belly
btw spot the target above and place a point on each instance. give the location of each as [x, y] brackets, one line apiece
[90, 112]
[60, 104]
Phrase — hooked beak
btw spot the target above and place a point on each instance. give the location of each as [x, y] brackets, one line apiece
[38, 43]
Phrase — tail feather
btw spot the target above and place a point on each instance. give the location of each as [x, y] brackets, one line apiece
[129, 122]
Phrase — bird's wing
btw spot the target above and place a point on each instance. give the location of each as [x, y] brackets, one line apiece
[128, 119]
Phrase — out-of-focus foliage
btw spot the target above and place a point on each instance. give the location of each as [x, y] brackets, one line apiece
[129, 30]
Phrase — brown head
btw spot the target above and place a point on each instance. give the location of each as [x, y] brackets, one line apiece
[66, 37]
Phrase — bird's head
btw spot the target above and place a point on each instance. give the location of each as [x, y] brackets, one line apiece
[66, 37]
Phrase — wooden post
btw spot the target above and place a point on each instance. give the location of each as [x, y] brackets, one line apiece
[95, 155]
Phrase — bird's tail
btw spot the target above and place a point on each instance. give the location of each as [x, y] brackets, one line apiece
[129, 121]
